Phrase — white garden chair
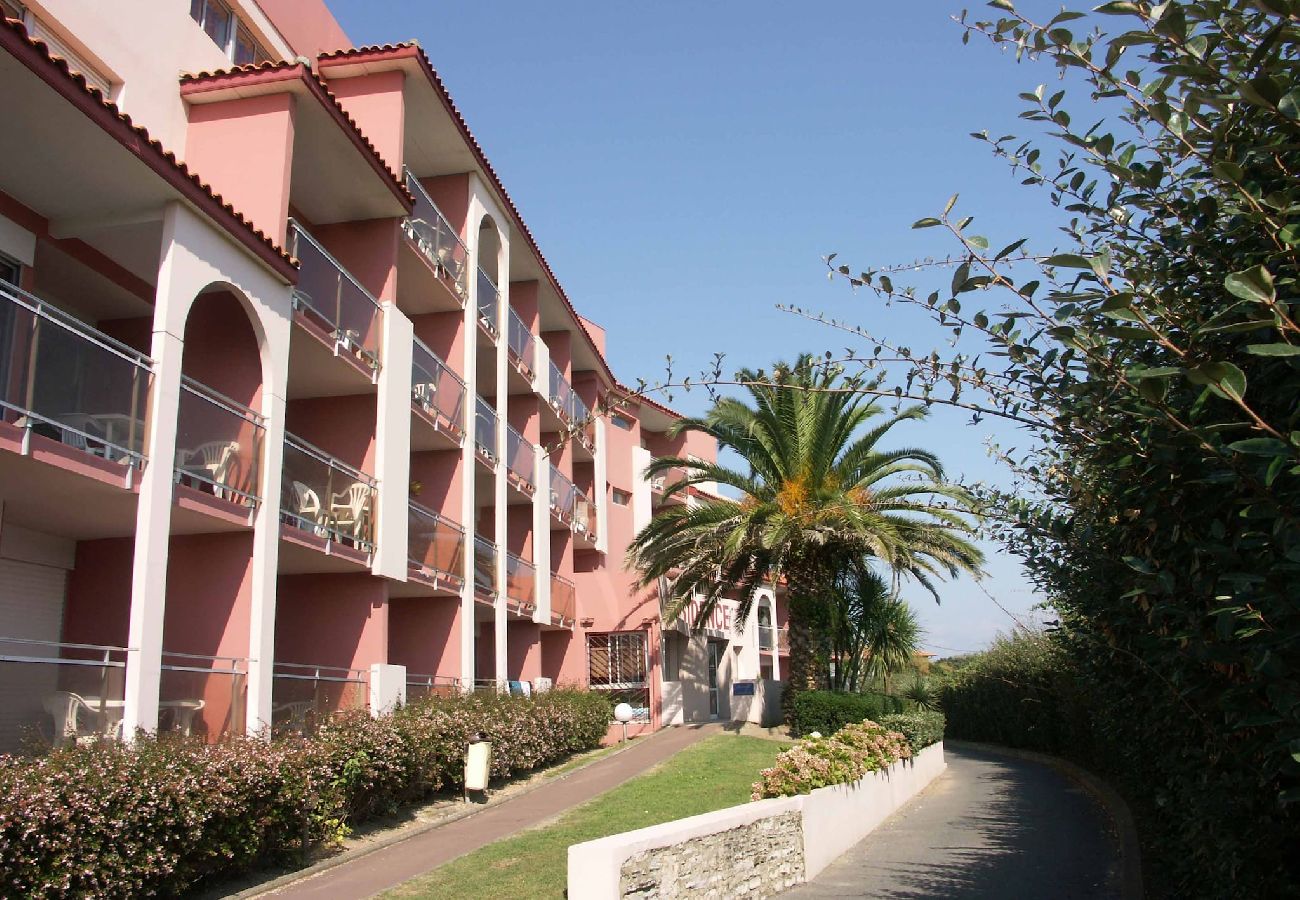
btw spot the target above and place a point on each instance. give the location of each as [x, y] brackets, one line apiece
[77, 721]
[307, 506]
[214, 461]
[350, 509]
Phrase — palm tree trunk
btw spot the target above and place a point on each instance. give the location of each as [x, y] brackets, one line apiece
[803, 671]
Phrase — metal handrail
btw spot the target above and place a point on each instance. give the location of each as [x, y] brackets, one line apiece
[484, 411]
[304, 233]
[221, 401]
[332, 461]
[520, 339]
[417, 189]
[514, 442]
[13, 640]
[488, 301]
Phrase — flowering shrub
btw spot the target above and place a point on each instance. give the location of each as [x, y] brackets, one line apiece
[842, 758]
[158, 817]
[921, 728]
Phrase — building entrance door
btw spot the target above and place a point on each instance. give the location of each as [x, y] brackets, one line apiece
[715, 660]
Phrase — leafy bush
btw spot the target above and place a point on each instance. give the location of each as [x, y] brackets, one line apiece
[921, 728]
[829, 711]
[158, 817]
[1021, 692]
[842, 758]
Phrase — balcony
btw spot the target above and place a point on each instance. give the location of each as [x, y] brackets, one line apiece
[338, 312]
[521, 585]
[521, 462]
[485, 432]
[783, 639]
[522, 347]
[766, 637]
[563, 497]
[218, 446]
[423, 687]
[70, 384]
[438, 399]
[564, 601]
[663, 482]
[584, 517]
[326, 498]
[303, 696]
[489, 305]
[438, 263]
[485, 569]
[572, 412]
[435, 549]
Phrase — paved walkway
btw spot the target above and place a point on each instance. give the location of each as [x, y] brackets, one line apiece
[399, 862]
[989, 827]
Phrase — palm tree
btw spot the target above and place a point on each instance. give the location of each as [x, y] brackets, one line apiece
[816, 493]
[892, 634]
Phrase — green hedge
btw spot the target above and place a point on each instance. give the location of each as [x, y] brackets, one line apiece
[921, 728]
[158, 817]
[829, 711]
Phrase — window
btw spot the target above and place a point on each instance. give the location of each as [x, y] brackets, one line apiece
[621, 498]
[41, 30]
[9, 270]
[616, 664]
[235, 40]
[621, 421]
[11, 10]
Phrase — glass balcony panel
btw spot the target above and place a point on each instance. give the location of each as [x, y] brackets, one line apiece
[304, 696]
[327, 497]
[564, 599]
[521, 457]
[521, 582]
[66, 381]
[423, 687]
[522, 344]
[437, 390]
[563, 495]
[430, 231]
[489, 303]
[485, 566]
[58, 694]
[665, 480]
[485, 428]
[218, 445]
[766, 637]
[584, 516]
[336, 301]
[202, 696]
[434, 542]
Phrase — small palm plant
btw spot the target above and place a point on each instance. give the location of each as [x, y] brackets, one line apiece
[816, 491]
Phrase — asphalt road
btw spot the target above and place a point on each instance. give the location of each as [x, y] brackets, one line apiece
[988, 827]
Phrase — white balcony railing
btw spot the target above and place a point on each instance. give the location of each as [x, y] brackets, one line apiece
[485, 430]
[333, 300]
[522, 345]
[68, 382]
[303, 695]
[521, 460]
[327, 497]
[435, 544]
[437, 390]
[564, 600]
[436, 240]
[563, 496]
[485, 567]
[521, 583]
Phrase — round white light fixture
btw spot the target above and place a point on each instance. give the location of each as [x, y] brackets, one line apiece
[623, 713]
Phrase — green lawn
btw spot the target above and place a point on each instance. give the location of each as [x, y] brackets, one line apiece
[714, 773]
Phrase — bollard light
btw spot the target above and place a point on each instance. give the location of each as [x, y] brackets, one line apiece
[623, 714]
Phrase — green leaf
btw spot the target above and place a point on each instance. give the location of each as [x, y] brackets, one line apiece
[952, 201]
[1259, 446]
[979, 241]
[1255, 284]
[1118, 8]
[1154, 372]
[1273, 349]
[1139, 565]
[1010, 248]
[1224, 378]
[1153, 390]
[1067, 261]
[1290, 234]
[929, 222]
[1004, 5]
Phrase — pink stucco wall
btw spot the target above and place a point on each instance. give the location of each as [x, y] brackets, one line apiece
[441, 482]
[307, 25]
[375, 102]
[368, 250]
[451, 194]
[336, 620]
[244, 149]
[424, 635]
[523, 651]
[341, 426]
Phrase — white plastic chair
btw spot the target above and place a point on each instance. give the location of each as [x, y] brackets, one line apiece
[77, 720]
[351, 508]
[307, 506]
[213, 460]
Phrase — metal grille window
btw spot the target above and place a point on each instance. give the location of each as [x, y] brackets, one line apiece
[617, 665]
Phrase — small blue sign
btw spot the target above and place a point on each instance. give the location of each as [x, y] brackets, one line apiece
[742, 689]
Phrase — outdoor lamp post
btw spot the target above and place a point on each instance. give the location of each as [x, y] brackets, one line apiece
[623, 715]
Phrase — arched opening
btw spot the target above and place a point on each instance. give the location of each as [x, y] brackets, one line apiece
[220, 450]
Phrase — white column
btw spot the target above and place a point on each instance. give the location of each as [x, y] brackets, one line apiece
[542, 499]
[266, 561]
[153, 533]
[642, 495]
[469, 463]
[601, 487]
[502, 484]
[393, 445]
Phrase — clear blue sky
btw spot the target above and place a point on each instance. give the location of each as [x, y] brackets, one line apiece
[686, 166]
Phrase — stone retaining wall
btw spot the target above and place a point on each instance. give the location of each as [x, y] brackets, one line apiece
[755, 850]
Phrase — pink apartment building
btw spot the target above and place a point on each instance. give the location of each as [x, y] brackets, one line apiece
[280, 365]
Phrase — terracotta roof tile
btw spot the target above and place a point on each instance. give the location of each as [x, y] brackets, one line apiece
[312, 79]
[160, 152]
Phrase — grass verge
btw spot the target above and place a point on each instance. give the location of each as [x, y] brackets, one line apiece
[712, 774]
